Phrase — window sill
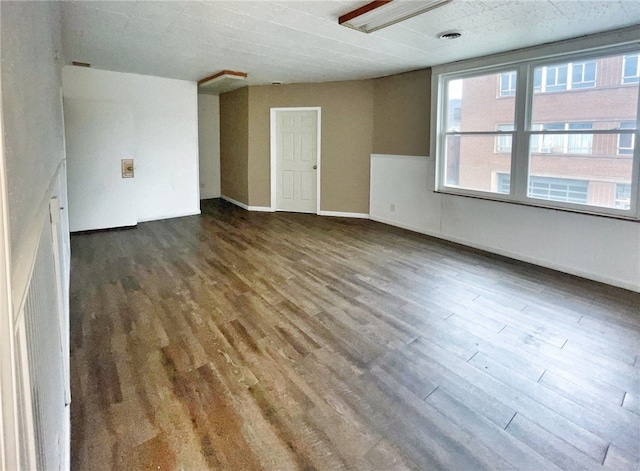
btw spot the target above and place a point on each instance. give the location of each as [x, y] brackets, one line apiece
[540, 206]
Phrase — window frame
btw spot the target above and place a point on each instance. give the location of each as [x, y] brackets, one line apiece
[633, 140]
[557, 85]
[525, 65]
[570, 83]
[584, 84]
[621, 188]
[499, 137]
[630, 79]
[507, 92]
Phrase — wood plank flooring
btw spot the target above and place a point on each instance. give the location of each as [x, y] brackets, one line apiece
[247, 341]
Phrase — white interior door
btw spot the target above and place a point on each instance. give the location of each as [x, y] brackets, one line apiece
[98, 135]
[296, 160]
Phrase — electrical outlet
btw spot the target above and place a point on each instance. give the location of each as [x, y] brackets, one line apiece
[392, 207]
[127, 168]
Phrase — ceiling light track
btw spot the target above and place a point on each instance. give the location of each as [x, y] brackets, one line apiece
[382, 13]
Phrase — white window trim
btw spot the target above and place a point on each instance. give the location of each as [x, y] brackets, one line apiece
[637, 75]
[570, 83]
[512, 85]
[545, 73]
[575, 50]
[573, 83]
[500, 133]
[633, 142]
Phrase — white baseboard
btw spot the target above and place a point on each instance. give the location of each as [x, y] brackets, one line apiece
[401, 225]
[209, 196]
[543, 263]
[513, 255]
[236, 202]
[341, 214]
[264, 209]
[169, 216]
[268, 209]
[66, 434]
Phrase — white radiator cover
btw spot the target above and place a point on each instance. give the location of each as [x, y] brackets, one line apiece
[401, 192]
[42, 314]
[41, 337]
[597, 248]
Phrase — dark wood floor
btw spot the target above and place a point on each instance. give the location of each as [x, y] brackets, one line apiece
[245, 341]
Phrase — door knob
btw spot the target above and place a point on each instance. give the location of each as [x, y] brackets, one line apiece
[315, 167]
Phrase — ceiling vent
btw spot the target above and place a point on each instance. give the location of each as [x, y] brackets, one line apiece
[449, 35]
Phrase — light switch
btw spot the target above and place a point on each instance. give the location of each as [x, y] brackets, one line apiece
[127, 168]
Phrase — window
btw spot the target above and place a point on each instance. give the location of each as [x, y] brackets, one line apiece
[503, 141]
[476, 98]
[579, 143]
[555, 78]
[626, 142]
[583, 75]
[631, 69]
[623, 196]
[555, 189]
[569, 76]
[508, 84]
[504, 183]
[540, 148]
[558, 189]
[561, 143]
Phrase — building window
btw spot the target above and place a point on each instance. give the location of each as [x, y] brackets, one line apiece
[504, 183]
[503, 141]
[508, 83]
[626, 142]
[555, 143]
[554, 189]
[552, 151]
[569, 76]
[555, 78]
[559, 189]
[583, 75]
[631, 69]
[623, 196]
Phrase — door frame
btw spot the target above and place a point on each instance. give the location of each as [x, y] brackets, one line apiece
[274, 151]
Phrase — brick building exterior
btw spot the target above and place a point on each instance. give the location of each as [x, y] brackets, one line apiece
[585, 168]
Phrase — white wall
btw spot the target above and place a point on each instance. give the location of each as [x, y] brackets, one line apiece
[98, 135]
[32, 108]
[598, 248]
[33, 163]
[165, 135]
[209, 145]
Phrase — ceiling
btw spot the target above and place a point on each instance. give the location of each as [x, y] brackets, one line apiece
[301, 41]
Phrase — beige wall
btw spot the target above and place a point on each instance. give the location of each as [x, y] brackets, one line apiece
[401, 113]
[347, 129]
[389, 115]
[209, 145]
[234, 145]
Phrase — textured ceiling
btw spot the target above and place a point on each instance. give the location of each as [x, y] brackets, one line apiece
[301, 41]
